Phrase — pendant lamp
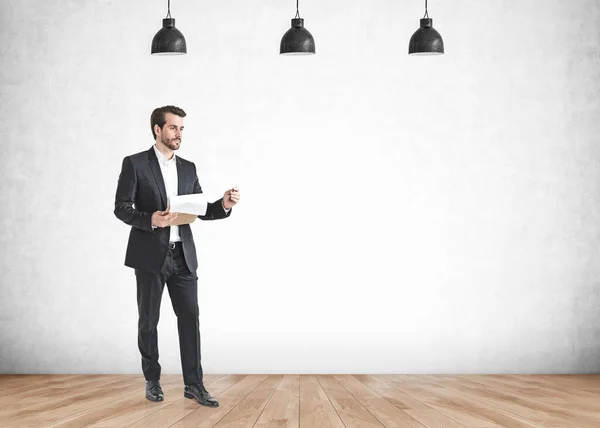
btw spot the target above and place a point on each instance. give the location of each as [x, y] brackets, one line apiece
[297, 40]
[168, 40]
[426, 40]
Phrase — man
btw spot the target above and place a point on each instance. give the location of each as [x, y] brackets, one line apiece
[161, 252]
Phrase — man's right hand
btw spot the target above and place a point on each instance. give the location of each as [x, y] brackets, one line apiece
[162, 219]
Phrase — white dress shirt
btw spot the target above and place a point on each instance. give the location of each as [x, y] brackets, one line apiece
[168, 169]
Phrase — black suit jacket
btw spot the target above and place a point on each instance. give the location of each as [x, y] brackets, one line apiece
[141, 192]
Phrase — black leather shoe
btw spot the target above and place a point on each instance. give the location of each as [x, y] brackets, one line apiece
[153, 391]
[200, 394]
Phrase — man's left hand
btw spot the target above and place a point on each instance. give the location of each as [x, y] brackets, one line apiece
[231, 197]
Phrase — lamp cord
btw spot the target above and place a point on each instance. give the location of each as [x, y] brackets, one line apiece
[169, 10]
[426, 13]
[297, 10]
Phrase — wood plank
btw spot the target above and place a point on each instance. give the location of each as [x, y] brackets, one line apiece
[8, 383]
[294, 401]
[172, 409]
[451, 409]
[283, 409]
[570, 411]
[45, 411]
[556, 395]
[473, 407]
[395, 396]
[56, 390]
[580, 382]
[386, 413]
[245, 414]
[316, 411]
[351, 412]
[497, 399]
[126, 403]
[205, 417]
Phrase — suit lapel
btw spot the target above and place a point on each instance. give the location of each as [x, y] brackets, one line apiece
[155, 168]
[180, 177]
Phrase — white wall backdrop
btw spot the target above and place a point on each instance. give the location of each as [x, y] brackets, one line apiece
[398, 214]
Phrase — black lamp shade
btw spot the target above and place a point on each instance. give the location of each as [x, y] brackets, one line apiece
[168, 40]
[297, 40]
[426, 40]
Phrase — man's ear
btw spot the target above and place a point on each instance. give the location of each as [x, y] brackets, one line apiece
[157, 129]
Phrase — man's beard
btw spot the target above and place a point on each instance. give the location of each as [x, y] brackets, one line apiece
[171, 143]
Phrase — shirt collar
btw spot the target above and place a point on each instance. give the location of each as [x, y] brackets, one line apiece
[162, 158]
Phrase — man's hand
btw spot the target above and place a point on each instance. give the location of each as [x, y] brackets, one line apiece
[162, 219]
[231, 197]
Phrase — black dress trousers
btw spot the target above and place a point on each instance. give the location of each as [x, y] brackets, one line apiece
[183, 290]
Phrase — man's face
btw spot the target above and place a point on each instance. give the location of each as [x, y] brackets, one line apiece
[170, 134]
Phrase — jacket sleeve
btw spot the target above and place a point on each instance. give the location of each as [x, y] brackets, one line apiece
[125, 199]
[214, 210]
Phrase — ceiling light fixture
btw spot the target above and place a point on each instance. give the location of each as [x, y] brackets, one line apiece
[297, 40]
[426, 40]
[169, 40]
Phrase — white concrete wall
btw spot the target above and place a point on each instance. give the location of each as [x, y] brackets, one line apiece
[398, 214]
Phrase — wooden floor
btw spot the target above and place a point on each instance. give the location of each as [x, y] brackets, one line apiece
[336, 401]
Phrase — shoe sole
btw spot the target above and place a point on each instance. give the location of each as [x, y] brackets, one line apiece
[193, 397]
[155, 399]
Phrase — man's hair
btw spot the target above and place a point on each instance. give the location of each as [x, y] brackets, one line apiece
[158, 116]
